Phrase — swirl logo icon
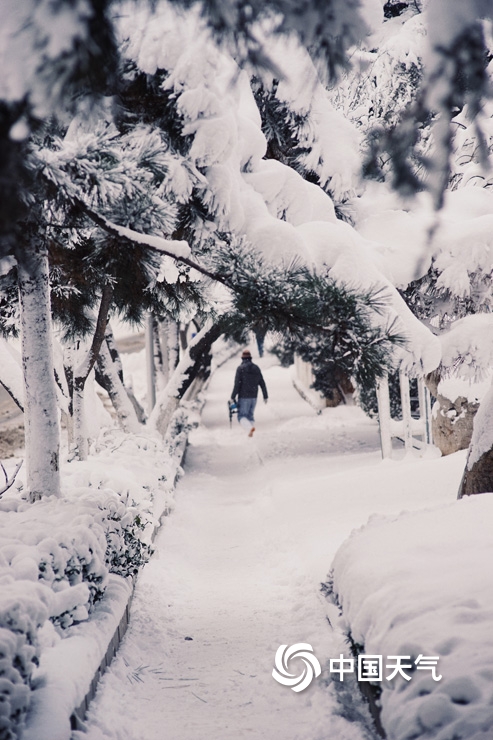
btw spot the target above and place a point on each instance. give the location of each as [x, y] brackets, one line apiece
[300, 650]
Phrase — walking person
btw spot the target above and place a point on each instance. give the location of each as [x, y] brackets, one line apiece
[248, 378]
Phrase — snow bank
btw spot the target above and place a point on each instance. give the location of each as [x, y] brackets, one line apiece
[421, 584]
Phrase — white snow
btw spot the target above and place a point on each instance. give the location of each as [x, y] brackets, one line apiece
[171, 247]
[238, 569]
[68, 665]
[422, 584]
[467, 348]
[454, 387]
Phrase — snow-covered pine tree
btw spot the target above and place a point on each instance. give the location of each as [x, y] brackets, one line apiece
[121, 176]
[449, 281]
[44, 68]
[208, 119]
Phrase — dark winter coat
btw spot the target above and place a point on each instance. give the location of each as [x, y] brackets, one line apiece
[247, 380]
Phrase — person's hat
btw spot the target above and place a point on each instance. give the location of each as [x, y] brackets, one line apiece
[246, 354]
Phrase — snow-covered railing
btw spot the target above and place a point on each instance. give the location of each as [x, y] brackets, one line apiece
[411, 431]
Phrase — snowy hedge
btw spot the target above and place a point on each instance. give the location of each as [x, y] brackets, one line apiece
[421, 584]
[56, 554]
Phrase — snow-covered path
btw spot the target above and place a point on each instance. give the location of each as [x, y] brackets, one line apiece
[237, 573]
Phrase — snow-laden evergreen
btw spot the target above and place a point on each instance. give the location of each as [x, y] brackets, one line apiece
[186, 165]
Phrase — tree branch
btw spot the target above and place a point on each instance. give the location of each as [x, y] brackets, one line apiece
[177, 250]
[87, 364]
[9, 482]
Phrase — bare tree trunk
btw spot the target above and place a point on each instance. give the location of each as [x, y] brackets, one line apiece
[173, 346]
[159, 360]
[478, 475]
[194, 363]
[183, 336]
[109, 378]
[80, 437]
[163, 334]
[150, 366]
[106, 382]
[81, 374]
[40, 393]
[115, 355]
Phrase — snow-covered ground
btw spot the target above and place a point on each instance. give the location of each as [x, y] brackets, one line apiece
[238, 569]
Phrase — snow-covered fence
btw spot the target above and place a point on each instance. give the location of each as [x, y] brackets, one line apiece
[413, 432]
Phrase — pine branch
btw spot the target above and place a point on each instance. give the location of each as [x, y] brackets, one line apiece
[176, 249]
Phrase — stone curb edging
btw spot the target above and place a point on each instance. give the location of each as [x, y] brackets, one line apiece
[79, 715]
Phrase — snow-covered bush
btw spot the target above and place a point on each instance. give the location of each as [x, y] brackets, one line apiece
[126, 553]
[178, 431]
[420, 584]
[58, 545]
[23, 609]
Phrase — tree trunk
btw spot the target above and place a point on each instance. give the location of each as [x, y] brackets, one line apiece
[159, 362]
[150, 365]
[195, 363]
[109, 378]
[163, 334]
[114, 353]
[81, 373]
[173, 346]
[183, 336]
[40, 393]
[80, 436]
[104, 381]
[478, 475]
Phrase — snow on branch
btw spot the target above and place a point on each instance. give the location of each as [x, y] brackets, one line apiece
[9, 482]
[176, 249]
[171, 247]
[467, 349]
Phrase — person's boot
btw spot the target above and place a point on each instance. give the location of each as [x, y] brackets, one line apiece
[250, 433]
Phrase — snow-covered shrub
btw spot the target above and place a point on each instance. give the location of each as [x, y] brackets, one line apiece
[420, 585]
[23, 609]
[180, 426]
[126, 552]
[73, 553]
